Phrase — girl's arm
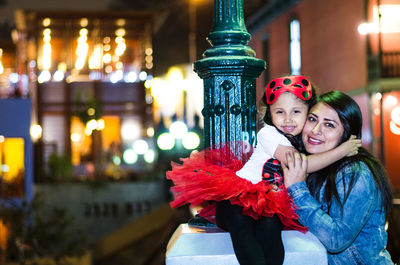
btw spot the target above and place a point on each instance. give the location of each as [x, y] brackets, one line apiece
[322, 160]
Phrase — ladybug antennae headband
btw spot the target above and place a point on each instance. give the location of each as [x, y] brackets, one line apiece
[298, 85]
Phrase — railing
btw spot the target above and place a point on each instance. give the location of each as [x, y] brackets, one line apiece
[390, 64]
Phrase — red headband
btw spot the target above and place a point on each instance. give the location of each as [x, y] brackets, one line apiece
[298, 85]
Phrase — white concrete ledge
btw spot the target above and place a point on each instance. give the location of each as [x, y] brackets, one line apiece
[213, 246]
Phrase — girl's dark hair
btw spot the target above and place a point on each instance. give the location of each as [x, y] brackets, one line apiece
[295, 140]
[351, 118]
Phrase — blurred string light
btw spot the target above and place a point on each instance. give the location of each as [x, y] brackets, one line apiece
[178, 130]
[165, 141]
[191, 140]
[130, 157]
[149, 156]
[140, 146]
[120, 41]
[94, 125]
[82, 48]
[95, 58]
[1, 63]
[46, 57]
[36, 131]
[395, 121]
[116, 160]
[130, 77]
[142, 75]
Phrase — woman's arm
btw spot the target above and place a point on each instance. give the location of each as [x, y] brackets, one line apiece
[338, 229]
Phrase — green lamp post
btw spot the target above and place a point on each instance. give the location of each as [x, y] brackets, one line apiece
[229, 71]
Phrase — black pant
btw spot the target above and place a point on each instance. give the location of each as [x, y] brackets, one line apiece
[256, 242]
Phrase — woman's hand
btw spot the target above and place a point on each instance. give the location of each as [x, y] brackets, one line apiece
[296, 169]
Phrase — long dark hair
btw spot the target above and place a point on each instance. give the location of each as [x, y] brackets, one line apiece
[295, 140]
[351, 118]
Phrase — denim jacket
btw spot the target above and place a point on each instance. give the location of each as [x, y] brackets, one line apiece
[355, 236]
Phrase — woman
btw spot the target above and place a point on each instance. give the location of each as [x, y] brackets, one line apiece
[344, 205]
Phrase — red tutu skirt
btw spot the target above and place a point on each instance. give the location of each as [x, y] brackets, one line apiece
[209, 176]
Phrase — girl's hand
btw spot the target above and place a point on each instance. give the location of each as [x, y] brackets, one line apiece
[350, 147]
[296, 169]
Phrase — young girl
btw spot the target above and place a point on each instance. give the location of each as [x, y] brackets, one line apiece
[250, 201]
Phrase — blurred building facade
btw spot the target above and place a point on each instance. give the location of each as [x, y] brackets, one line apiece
[340, 45]
[85, 73]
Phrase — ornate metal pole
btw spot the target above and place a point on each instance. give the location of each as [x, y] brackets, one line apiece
[229, 71]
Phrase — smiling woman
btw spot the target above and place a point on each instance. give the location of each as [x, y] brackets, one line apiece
[323, 129]
[346, 203]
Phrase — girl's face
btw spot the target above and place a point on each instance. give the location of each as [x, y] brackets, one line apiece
[323, 129]
[289, 113]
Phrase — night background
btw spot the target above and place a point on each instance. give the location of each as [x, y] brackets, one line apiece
[97, 97]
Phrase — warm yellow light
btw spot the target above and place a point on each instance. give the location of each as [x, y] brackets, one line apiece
[75, 137]
[389, 22]
[108, 69]
[1, 63]
[106, 40]
[115, 58]
[47, 38]
[81, 49]
[378, 96]
[100, 124]
[46, 22]
[3, 235]
[119, 65]
[119, 40]
[120, 32]
[46, 61]
[150, 132]
[46, 31]
[107, 47]
[91, 125]
[13, 163]
[36, 131]
[149, 65]
[148, 51]
[147, 83]
[83, 31]
[175, 74]
[84, 22]
[148, 58]
[120, 49]
[120, 22]
[107, 58]
[390, 19]
[95, 58]
[91, 111]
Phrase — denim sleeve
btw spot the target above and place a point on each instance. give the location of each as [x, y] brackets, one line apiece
[338, 229]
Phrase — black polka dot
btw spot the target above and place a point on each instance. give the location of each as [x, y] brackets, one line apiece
[287, 81]
[271, 97]
[272, 84]
[306, 95]
[304, 82]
